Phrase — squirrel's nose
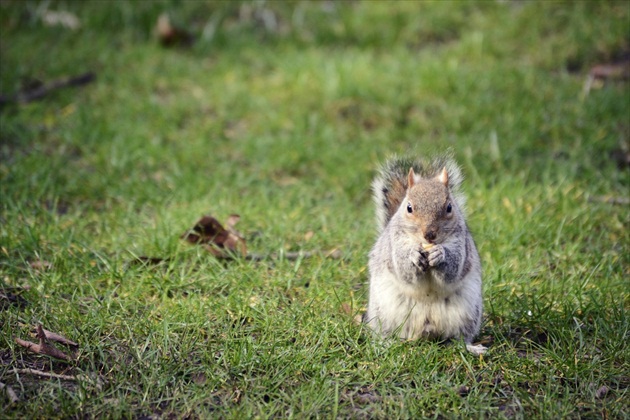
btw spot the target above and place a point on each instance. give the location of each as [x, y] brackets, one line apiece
[430, 235]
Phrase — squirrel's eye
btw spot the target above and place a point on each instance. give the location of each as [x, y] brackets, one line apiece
[449, 208]
[409, 208]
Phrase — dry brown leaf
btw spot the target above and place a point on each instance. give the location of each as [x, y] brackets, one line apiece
[43, 347]
[216, 239]
[57, 338]
[170, 35]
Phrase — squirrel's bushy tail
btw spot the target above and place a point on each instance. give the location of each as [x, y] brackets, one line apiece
[390, 184]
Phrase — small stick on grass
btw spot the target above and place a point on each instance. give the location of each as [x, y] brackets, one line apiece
[610, 200]
[39, 92]
[334, 254]
[45, 374]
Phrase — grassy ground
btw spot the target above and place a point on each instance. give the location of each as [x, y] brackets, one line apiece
[281, 112]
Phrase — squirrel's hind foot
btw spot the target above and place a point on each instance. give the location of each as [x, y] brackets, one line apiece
[476, 349]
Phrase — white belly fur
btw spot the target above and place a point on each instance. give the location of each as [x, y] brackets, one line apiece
[422, 309]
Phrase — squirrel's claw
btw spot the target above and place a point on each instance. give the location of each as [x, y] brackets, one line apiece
[476, 349]
[420, 261]
[436, 255]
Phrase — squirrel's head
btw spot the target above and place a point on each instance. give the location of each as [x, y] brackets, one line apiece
[429, 208]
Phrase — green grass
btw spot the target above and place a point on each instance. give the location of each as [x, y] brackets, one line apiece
[285, 124]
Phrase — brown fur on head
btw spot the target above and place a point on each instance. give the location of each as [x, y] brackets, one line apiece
[429, 206]
[390, 186]
[393, 195]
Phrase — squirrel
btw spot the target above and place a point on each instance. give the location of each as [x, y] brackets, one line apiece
[425, 271]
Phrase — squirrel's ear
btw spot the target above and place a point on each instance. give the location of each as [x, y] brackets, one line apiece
[411, 178]
[443, 177]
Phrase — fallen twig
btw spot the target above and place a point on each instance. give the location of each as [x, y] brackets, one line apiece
[13, 398]
[618, 70]
[15, 288]
[39, 92]
[45, 374]
[334, 254]
[610, 200]
[43, 347]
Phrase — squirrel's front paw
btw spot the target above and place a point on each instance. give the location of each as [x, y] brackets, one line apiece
[436, 255]
[420, 260]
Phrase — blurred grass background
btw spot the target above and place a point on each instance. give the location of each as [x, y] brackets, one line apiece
[280, 112]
